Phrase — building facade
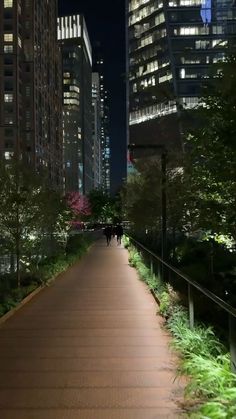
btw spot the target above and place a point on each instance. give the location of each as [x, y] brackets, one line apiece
[77, 103]
[97, 117]
[172, 46]
[30, 86]
[105, 125]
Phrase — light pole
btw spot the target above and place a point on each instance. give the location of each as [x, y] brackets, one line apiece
[162, 150]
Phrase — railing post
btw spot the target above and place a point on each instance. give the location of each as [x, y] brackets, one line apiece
[151, 266]
[232, 341]
[160, 270]
[191, 306]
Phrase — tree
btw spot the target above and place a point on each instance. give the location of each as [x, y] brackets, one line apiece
[103, 207]
[79, 206]
[212, 164]
[29, 211]
[142, 195]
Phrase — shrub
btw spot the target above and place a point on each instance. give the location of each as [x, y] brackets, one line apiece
[222, 407]
[165, 304]
[134, 258]
[204, 357]
[126, 242]
[47, 268]
[212, 375]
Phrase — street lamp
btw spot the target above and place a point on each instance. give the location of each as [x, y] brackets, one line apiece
[162, 150]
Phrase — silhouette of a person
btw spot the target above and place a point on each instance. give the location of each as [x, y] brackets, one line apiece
[108, 234]
[119, 233]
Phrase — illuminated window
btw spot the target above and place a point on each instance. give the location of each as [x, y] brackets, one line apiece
[8, 49]
[159, 19]
[192, 30]
[8, 37]
[182, 73]
[75, 89]
[8, 3]
[8, 97]
[190, 2]
[8, 120]
[8, 155]
[218, 30]
[203, 44]
[71, 102]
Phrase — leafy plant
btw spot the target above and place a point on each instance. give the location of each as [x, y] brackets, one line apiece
[134, 258]
[126, 241]
[204, 357]
[165, 303]
[212, 376]
[222, 407]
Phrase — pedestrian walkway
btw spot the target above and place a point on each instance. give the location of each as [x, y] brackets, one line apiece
[90, 346]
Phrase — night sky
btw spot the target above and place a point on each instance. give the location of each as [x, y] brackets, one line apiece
[105, 21]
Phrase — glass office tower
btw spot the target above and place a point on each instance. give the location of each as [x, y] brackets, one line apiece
[97, 118]
[172, 46]
[77, 103]
[105, 123]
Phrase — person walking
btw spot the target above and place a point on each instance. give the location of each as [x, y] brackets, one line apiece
[119, 233]
[108, 233]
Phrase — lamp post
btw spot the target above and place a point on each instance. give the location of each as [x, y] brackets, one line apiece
[162, 150]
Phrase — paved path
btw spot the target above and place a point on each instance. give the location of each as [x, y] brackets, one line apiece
[90, 346]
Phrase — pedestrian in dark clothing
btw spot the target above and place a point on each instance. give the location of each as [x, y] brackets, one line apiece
[108, 233]
[119, 233]
[113, 231]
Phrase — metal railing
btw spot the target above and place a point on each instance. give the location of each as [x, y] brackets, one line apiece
[164, 267]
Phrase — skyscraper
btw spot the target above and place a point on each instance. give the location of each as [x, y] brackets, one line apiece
[172, 46]
[97, 117]
[77, 103]
[105, 123]
[30, 86]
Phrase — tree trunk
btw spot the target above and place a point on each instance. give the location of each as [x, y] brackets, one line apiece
[173, 244]
[18, 248]
[12, 262]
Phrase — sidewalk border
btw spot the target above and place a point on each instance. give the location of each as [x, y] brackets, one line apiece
[29, 297]
[25, 300]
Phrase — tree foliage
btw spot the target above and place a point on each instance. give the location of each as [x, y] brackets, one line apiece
[32, 217]
[103, 207]
[212, 164]
[79, 207]
[201, 189]
[142, 196]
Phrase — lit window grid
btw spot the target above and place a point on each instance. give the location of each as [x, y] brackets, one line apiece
[8, 97]
[8, 3]
[8, 37]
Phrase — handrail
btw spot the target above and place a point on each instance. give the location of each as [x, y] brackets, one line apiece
[195, 284]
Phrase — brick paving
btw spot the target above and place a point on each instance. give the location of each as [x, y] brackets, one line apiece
[89, 346]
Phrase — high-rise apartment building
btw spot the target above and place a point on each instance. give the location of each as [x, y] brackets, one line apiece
[172, 45]
[97, 154]
[106, 146]
[77, 103]
[30, 86]
[105, 125]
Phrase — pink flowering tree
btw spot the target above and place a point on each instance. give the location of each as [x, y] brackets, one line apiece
[79, 206]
